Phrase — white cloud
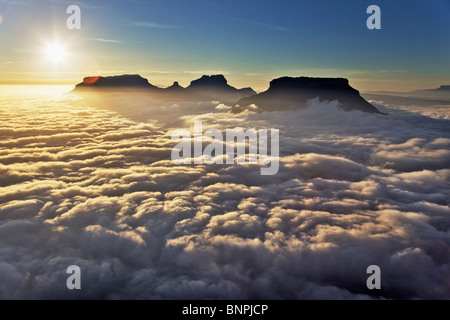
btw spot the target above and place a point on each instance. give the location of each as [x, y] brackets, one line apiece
[106, 40]
[264, 25]
[207, 72]
[91, 183]
[149, 24]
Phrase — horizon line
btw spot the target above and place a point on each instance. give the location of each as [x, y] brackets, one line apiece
[162, 86]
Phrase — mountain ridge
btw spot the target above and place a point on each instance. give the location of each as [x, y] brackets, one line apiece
[205, 88]
[283, 93]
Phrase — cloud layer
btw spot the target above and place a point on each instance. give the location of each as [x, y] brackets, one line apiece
[91, 183]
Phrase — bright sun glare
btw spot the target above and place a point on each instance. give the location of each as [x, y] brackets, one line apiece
[55, 53]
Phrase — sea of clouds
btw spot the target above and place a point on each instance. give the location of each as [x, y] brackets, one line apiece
[90, 182]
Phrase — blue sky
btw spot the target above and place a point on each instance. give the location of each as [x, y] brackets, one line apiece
[249, 41]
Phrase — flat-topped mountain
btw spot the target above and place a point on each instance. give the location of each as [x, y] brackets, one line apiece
[440, 94]
[441, 88]
[123, 81]
[290, 93]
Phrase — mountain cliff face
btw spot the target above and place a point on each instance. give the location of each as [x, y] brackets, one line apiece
[123, 81]
[288, 93]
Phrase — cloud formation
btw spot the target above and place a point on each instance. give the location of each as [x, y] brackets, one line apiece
[106, 40]
[91, 183]
[149, 24]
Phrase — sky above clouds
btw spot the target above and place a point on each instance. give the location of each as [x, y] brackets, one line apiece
[251, 42]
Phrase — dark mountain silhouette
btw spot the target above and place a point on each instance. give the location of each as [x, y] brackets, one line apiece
[426, 97]
[217, 82]
[177, 93]
[441, 93]
[202, 89]
[287, 93]
[441, 88]
[217, 87]
[175, 87]
[283, 93]
[123, 81]
[407, 100]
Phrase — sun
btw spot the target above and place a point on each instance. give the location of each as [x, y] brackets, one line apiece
[55, 53]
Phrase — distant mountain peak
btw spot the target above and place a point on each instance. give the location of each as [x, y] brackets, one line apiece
[216, 87]
[217, 80]
[175, 86]
[443, 89]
